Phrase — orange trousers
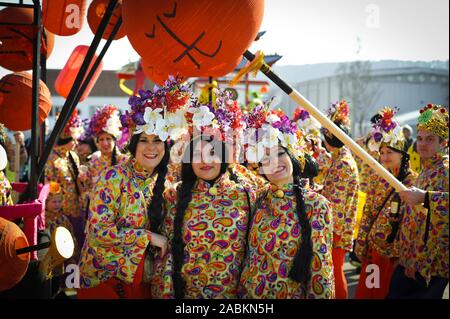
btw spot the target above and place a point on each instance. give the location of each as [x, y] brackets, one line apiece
[386, 268]
[109, 289]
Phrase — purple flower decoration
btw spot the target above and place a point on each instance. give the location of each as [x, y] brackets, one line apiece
[378, 137]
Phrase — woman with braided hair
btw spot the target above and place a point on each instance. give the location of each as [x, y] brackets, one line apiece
[126, 208]
[290, 240]
[377, 242]
[207, 218]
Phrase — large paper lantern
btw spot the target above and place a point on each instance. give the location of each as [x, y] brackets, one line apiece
[192, 37]
[16, 50]
[68, 74]
[63, 17]
[95, 15]
[155, 74]
[15, 101]
[12, 266]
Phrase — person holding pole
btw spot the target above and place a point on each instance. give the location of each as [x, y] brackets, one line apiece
[423, 269]
[377, 244]
[340, 187]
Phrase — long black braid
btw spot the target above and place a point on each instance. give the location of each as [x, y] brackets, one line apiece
[301, 267]
[184, 196]
[402, 174]
[155, 210]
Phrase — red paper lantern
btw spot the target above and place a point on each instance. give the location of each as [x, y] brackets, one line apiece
[63, 17]
[12, 267]
[95, 15]
[16, 49]
[68, 74]
[16, 104]
[192, 38]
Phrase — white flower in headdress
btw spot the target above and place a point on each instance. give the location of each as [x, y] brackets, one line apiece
[288, 139]
[113, 125]
[271, 136]
[272, 118]
[76, 132]
[176, 124]
[202, 116]
[151, 117]
[255, 153]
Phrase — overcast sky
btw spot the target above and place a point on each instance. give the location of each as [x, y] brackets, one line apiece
[318, 31]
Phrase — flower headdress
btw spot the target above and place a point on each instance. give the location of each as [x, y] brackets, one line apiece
[338, 112]
[54, 189]
[106, 119]
[74, 127]
[434, 118]
[267, 128]
[160, 112]
[386, 131]
[308, 124]
[222, 118]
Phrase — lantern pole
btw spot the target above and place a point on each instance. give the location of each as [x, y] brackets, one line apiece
[35, 100]
[210, 80]
[335, 130]
[69, 105]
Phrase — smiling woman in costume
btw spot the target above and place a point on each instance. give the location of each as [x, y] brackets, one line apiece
[290, 241]
[126, 208]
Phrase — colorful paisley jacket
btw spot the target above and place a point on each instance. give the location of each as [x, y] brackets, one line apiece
[117, 228]
[273, 242]
[59, 169]
[340, 187]
[5, 191]
[96, 165]
[215, 235]
[424, 232]
[376, 223]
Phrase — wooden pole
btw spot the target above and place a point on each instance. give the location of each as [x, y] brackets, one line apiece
[327, 123]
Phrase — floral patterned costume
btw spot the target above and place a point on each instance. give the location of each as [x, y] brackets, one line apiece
[273, 242]
[376, 224]
[118, 228]
[60, 170]
[424, 233]
[215, 235]
[5, 191]
[340, 187]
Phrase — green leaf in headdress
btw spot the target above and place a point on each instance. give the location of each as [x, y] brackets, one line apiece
[425, 117]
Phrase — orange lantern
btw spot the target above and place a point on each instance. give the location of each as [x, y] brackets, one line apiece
[12, 266]
[16, 104]
[16, 50]
[95, 15]
[192, 38]
[67, 76]
[63, 17]
[155, 74]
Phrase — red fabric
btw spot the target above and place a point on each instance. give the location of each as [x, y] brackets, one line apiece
[386, 267]
[108, 289]
[339, 276]
[340, 281]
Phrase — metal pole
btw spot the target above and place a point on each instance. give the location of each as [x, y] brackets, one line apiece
[35, 100]
[69, 105]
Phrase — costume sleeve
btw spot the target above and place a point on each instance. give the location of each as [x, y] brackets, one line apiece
[162, 283]
[345, 205]
[322, 284]
[105, 210]
[367, 217]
